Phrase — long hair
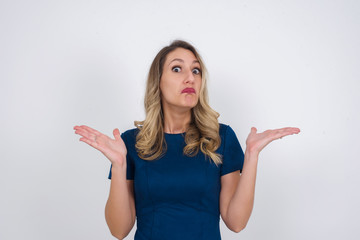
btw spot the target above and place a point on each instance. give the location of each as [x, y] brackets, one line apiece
[203, 130]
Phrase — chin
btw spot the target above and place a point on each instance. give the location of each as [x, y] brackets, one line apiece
[187, 106]
[192, 105]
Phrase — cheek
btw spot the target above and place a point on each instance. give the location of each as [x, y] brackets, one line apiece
[163, 86]
[199, 83]
[166, 90]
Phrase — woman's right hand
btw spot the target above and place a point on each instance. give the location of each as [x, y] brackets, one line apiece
[113, 149]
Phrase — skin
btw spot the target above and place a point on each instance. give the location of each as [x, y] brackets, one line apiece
[237, 191]
[181, 70]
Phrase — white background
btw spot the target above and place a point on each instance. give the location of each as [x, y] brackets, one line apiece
[272, 64]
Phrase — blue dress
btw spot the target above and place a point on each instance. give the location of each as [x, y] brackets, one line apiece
[177, 197]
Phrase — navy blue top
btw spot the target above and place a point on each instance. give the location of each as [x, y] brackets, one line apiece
[177, 197]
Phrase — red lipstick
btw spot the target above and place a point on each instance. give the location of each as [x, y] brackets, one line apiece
[188, 90]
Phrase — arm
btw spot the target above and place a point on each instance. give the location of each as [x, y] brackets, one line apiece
[120, 207]
[237, 194]
[241, 204]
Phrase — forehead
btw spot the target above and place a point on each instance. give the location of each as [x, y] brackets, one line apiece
[181, 53]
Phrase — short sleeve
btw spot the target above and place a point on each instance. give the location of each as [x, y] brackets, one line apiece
[129, 161]
[233, 155]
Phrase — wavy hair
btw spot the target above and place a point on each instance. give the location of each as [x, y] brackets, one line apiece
[203, 130]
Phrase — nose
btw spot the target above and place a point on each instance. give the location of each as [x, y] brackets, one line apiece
[190, 77]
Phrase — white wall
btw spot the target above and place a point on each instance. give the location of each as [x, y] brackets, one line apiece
[272, 64]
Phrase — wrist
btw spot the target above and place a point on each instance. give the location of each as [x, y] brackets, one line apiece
[119, 166]
[251, 153]
[119, 161]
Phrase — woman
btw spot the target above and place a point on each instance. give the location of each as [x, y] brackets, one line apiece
[179, 169]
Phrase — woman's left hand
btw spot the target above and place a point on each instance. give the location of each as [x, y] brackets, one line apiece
[255, 142]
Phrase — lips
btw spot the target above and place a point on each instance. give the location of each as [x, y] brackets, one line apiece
[188, 90]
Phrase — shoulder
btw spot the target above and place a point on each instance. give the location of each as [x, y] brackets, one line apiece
[132, 131]
[223, 128]
[227, 134]
[130, 134]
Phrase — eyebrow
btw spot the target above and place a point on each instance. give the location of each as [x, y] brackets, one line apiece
[180, 60]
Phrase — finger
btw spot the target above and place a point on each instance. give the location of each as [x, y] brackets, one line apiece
[85, 134]
[291, 130]
[253, 129]
[93, 131]
[285, 132]
[296, 130]
[116, 134]
[81, 129]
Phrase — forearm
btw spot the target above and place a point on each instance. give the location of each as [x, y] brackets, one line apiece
[118, 210]
[241, 204]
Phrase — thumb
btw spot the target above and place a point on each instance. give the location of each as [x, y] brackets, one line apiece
[253, 129]
[116, 133]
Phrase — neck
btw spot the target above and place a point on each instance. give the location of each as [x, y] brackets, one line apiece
[176, 122]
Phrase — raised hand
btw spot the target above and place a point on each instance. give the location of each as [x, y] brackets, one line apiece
[113, 149]
[255, 142]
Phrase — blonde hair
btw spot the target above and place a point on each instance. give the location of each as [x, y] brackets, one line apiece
[203, 130]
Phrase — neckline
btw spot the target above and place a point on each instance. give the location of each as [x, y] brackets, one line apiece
[174, 134]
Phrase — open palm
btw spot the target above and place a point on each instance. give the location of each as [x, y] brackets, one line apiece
[113, 149]
[255, 142]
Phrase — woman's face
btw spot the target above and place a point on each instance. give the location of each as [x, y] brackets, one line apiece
[180, 81]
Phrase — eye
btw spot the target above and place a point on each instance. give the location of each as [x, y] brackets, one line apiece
[196, 71]
[176, 69]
